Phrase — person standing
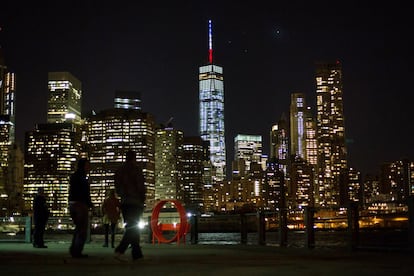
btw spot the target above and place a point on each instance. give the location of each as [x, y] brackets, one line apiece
[79, 204]
[130, 186]
[40, 217]
[111, 210]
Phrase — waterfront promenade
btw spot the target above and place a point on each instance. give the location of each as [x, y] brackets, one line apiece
[19, 258]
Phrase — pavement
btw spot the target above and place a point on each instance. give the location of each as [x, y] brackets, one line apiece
[19, 258]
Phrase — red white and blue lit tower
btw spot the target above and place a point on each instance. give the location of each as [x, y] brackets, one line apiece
[211, 97]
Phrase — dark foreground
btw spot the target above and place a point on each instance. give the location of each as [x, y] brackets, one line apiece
[186, 259]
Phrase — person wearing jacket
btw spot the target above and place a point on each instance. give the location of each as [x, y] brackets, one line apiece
[79, 204]
[111, 210]
[40, 217]
[130, 186]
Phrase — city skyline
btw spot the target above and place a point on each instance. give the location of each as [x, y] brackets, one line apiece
[267, 54]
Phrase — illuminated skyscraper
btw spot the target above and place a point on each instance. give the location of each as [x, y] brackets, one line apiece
[109, 134]
[211, 97]
[192, 165]
[303, 148]
[51, 152]
[248, 148]
[332, 154]
[297, 125]
[311, 142]
[279, 144]
[127, 100]
[168, 155]
[65, 98]
[7, 129]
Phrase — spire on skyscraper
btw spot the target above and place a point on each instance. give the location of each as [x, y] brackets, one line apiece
[210, 43]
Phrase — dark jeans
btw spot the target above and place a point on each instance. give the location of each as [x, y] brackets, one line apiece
[106, 228]
[80, 217]
[38, 232]
[131, 236]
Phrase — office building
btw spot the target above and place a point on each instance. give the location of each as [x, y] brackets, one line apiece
[7, 131]
[249, 148]
[279, 145]
[211, 99]
[192, 186]
[65, 98]
[311, 142]
[127, 100]
[332, 153]
[51, 154]
[297, 125]
[108, 135]
[168, 157]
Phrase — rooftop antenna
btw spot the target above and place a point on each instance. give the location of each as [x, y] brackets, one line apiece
[210, 43]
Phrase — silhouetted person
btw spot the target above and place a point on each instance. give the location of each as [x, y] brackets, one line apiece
[40, 217]
[111, 210]
[130, 186]
[79, 204]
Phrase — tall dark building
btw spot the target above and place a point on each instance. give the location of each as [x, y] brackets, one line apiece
[332, 154]
[7, 130]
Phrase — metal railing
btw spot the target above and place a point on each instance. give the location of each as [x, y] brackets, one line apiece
[357, 229]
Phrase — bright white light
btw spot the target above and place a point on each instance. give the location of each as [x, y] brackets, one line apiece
[142, 224]
[189, 214]
[69, 116]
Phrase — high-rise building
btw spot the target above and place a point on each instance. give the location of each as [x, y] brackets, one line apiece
[108, 135]
[192, 188]
[15, 180]
[311, 141]
[332, 154]
[51, 153]
[168, 155]
[350, 186]
[249, 148]
[65, 98]
[303, 153]
[211, 97]
[297, 125]
[279, 144]
[52, 149]
[274, 187]
[301, 183]
[7, 129]
[127, 100]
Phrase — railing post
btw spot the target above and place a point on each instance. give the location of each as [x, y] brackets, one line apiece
[243, 229]
[410, 203]
[309, 223]
[261, 228]
[28, 229]
[283, 227]
[353, 225]
[194, 229]
[88, 232]
[149, 230]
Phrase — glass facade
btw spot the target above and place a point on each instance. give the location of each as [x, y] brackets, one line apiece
[65, 98]
[168, 154]
[51, 154]
[211, 98]
[248, 148]
[108, 135]
[127, 100]
[297, 124]
[332, 154]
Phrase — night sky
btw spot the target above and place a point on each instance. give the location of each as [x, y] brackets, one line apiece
[268, 50]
